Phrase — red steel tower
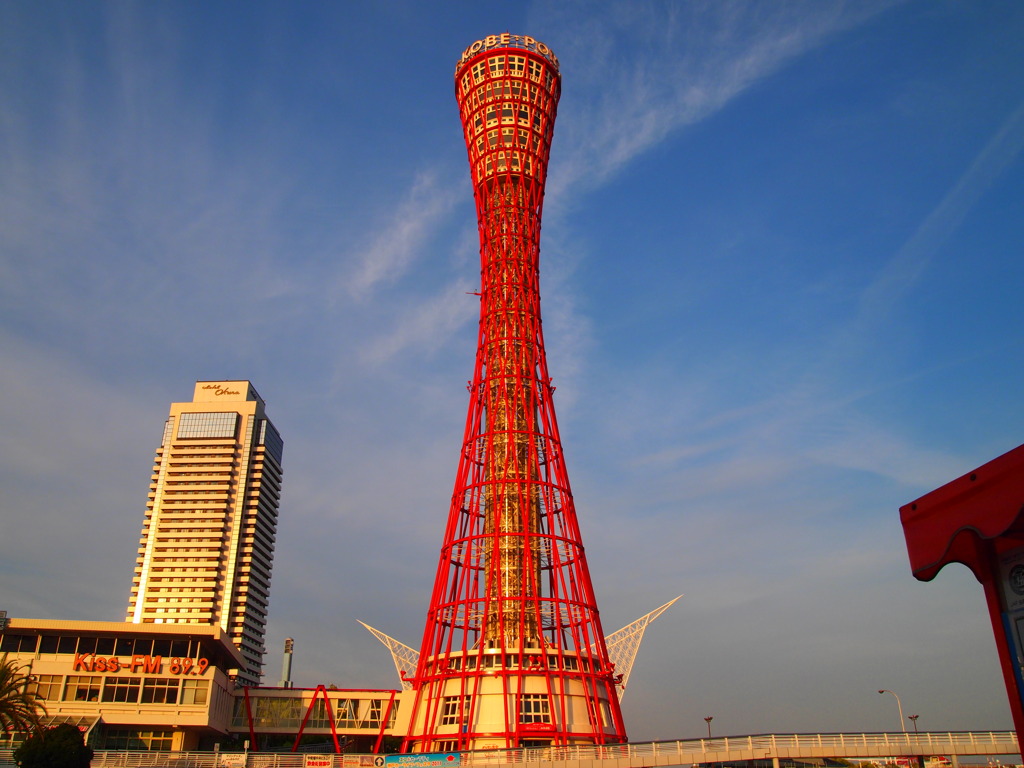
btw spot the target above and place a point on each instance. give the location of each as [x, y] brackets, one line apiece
[513, 652]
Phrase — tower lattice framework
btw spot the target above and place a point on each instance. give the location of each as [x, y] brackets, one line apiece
[513, 652]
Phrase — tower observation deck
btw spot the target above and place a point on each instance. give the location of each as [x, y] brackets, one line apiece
[513, 653]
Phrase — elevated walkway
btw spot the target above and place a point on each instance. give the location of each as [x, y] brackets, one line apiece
[958, 746]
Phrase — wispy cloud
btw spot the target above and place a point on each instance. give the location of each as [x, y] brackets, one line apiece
[638, 73]
[403, 235]
[863, 445]
[425, 325]
[847, 345]
[903, 270]
[693, 59]
[816, 420]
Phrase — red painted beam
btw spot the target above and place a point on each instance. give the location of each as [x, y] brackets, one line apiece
[977, 520]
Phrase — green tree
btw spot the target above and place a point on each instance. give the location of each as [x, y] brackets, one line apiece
[20, 710]
[62, 746]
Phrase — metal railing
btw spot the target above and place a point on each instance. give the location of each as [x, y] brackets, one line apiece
[686, 752]
[766, 746]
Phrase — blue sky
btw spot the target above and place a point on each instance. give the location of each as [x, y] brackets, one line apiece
[781, 281]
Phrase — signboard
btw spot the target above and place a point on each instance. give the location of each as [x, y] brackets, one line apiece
[425, 760]
[506, 40]
[1011, 566]
[317, 761]
[151, 665]
[1011, 571]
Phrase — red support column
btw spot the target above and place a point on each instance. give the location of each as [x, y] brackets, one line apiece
[384, 723]
[320, 689]
[978, 520]
[989, 576]
[254, 744]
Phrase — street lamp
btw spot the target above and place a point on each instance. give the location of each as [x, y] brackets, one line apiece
[903, 724]
[708, 720]
[913, 719]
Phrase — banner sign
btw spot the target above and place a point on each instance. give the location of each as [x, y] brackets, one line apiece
[506, 40]
[1011, 571]
[425, 760]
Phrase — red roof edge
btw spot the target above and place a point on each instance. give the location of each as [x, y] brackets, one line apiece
[948, 524]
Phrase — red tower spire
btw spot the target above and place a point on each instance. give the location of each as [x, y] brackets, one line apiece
[513, 653]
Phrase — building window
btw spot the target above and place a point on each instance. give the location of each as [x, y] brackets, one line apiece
[346, 709]
[130, 738]
[373, 715]
[277, 712]
[207, 425]
[17, 643]
[271, 438]
[122, 689]
[160, 690]
[47, 687]
[195, 691]
[534, 708]
[81, 688]
[451, 711]
[318, 715]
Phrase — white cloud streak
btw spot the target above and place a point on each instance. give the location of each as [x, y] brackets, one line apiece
[910, 262]
[403, 236]
[697, 57]
[426, 325]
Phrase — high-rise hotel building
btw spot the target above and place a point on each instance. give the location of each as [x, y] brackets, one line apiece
[207, 545]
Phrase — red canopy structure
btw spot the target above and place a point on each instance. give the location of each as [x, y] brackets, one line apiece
[978, 520]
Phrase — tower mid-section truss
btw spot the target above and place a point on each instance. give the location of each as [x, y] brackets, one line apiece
[513, 653]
